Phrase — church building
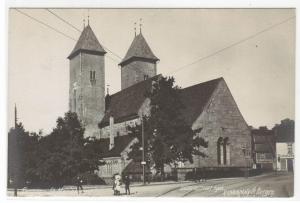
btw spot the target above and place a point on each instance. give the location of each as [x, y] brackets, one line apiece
[210, 109]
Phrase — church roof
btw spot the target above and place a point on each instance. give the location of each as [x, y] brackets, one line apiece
[195, 99]
[125, 104]
[120, 143]
[139, 48]
[87, 42]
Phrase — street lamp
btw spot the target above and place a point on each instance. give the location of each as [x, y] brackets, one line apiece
[143, 150]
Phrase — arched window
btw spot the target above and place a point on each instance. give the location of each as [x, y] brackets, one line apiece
[220, 150]
[225, 147]
[223, 151]
[93, 77]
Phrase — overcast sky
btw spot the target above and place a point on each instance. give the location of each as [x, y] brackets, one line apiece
[260, 71]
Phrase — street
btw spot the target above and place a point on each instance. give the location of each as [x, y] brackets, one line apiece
[267, 185]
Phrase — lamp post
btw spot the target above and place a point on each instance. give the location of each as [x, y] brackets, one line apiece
[143, 150]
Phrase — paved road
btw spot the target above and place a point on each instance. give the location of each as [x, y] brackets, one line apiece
[269, 185]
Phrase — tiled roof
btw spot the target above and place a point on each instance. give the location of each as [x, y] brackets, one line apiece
[263, 148]
[120, 143]
[87, 42]
[139, 48]
[126, 103]
[195, 98]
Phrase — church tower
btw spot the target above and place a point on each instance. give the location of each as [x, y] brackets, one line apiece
[87, 81]
[138, 64]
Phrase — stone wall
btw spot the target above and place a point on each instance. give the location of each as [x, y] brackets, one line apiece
[89, 104]
[222, 118]
[121, 128]
[115, 165]
[134, 72]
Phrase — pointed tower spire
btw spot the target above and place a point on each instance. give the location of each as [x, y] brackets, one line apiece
[87, 42]
[141, 25]
[88, 16]
[135, 29]
[139, 62]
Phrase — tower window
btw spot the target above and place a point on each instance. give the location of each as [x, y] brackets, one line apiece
[93, 77]
[146, 77]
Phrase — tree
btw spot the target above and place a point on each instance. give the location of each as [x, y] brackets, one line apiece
[65, 153]
[21, 155]
[285, 131]
[168, 139]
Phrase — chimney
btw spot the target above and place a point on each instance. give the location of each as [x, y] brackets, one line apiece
[107, 102]
[107, 99]
[111, 133]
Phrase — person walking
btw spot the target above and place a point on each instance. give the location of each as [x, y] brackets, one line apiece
[127, 184]
[117, 184]
[79, 183]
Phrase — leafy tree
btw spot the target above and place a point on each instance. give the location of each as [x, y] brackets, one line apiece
[285, 131]
[21, 155]
[168, 139]
[65, 153]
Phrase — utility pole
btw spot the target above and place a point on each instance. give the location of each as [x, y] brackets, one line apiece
[16, 154]
[143, 150]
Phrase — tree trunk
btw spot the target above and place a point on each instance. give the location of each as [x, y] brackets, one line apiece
[162, 172]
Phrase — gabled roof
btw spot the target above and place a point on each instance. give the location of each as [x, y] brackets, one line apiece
[139, 48]
[124, 105]
[195, 99]
[87, 42]
[120, 143]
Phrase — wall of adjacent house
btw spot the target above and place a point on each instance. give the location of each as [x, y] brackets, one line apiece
[284, 151]
[222, 118]
[114, 165]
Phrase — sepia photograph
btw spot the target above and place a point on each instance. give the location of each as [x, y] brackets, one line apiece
[151, 102]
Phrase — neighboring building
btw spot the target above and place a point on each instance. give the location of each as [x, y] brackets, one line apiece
[285, 146]
[210, 109]
[263, 148]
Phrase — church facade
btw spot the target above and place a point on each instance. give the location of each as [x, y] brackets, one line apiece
[210, 109]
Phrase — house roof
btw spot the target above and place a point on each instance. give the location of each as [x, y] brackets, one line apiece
[266, 148]
[120, 143]
[139, 48]
[195, 99]
[87, 42]
[126, 103]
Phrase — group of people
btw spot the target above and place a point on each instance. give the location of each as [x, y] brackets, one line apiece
[118, 181]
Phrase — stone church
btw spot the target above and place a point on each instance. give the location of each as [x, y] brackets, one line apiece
[210, 108]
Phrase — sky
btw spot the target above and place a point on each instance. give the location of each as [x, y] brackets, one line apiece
[258, 63]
